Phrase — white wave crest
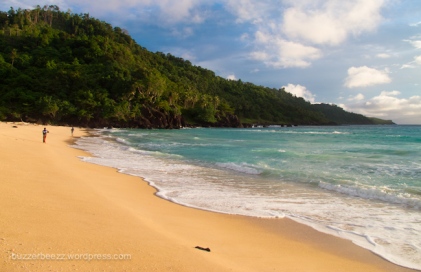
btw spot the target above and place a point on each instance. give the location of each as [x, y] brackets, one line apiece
[243, 168]
[372, 193]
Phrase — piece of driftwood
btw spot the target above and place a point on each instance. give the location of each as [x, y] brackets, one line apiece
[203, 248]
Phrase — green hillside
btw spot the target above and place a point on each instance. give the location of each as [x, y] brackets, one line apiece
[63, 68]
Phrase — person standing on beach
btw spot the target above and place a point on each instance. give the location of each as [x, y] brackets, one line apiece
[71, 130]
[44, 135]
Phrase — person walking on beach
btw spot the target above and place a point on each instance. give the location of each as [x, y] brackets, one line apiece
[44, 135]
[71, 130]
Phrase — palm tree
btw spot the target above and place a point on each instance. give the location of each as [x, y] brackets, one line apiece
[13, 56]
[36, 12]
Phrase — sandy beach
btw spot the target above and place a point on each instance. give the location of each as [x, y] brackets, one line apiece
[58, 213]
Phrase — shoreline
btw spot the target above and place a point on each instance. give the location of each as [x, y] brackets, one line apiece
[56, 203]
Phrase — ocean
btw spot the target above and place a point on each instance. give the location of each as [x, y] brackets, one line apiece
[361, 183]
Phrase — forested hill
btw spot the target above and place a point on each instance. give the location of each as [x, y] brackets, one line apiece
[63, 68]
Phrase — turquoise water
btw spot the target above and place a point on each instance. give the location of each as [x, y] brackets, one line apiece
[362, 183]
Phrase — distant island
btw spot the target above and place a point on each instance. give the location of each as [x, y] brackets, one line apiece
[71, 69]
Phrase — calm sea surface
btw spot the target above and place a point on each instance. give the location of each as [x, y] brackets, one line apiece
[362, 183]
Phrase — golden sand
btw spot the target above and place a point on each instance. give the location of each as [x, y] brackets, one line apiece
[58, 213]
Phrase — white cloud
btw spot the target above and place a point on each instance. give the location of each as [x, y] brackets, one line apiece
[391, 93]
[383, 56]
[181, 52]
[407, 66]
[231, 77]
[357, 97]
[277, 52]
[183, 32]
[249, 10]
[416, 43]
[388, 105]
[331, 21]
[412, 64]
[260, 55]
[300, 91]
[364, 76]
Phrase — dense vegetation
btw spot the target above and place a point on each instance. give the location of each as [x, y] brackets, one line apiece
[64, 68]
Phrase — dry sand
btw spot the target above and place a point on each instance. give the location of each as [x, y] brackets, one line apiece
[53, 205]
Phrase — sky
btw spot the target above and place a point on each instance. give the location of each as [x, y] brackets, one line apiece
[362, 55]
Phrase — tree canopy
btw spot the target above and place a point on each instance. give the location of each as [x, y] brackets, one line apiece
[63, 68]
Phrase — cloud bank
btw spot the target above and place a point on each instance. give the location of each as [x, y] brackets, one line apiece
[293, 36]
[388, 105]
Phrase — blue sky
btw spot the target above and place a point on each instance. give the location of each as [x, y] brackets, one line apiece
[363, 55]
